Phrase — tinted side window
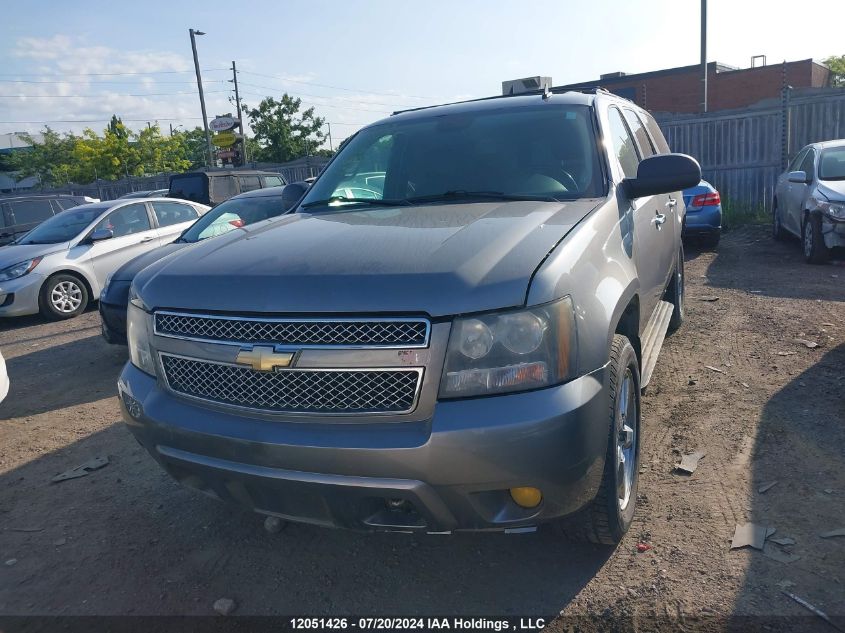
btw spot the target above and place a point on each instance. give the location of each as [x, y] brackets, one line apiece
[189, 187]
[28, 211]
[656, 134]
[623, 144]
[808, 164]
[126, 220]
[223, 188]
[4, 210]
[646, 148]
[249, 183]
[273, 181]
[168, 213]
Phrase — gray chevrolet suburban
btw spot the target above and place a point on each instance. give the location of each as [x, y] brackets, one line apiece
[450, 332]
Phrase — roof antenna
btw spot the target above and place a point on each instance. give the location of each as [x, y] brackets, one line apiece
[547, 93]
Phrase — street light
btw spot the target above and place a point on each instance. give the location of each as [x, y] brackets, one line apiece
[193, 33]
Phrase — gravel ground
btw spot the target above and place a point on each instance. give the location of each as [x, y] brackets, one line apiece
[127, 540]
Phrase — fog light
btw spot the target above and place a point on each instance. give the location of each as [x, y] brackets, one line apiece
[526, 497]
[133, 406]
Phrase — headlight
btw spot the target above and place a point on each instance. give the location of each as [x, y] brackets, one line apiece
[19, 270]
[833, 209]
[510, 351]
[138, 323]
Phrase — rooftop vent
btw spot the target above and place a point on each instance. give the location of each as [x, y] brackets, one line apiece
[529, 84]
[615, 75]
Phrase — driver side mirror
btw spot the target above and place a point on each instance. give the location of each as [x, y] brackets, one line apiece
[102, 234]
[800, 177]
[663, 173]
[292, 193]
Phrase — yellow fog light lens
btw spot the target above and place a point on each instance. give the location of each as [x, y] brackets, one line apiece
[526, 497]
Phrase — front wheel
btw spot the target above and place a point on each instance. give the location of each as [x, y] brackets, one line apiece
[63, 297]
[815, 250]
[611, 513]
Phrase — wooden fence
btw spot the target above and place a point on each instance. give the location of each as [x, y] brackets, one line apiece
[742, 152]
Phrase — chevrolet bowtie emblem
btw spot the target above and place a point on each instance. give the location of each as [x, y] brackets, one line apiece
[264, 358]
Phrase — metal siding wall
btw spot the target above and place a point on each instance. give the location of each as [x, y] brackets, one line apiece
[740, 152]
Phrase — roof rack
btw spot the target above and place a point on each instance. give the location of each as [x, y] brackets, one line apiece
[542, 92]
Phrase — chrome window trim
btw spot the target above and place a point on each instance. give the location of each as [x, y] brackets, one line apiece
[420, 371]
[283, 347]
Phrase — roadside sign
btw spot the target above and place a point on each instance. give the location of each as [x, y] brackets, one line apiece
[224, 139]
[226, 153]
[222, 123]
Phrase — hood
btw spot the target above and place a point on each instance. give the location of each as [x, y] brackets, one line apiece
[131, 268]
[832, 189]
[435, 259]
[12, 254]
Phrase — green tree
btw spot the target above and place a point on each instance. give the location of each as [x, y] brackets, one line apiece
[837, 70]
[195, 146]
[51, 159]
[116, 126]
[282, 132]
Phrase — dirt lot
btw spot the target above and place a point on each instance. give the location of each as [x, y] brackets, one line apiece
[125, 539]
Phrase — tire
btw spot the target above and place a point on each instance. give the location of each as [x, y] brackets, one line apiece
[815, 251]
[608, 517]
[778, 232]
[676, 292]
[63, 296]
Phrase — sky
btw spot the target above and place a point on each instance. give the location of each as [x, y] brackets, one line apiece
[71, 65]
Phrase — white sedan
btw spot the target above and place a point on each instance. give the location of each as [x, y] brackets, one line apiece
[62, 264]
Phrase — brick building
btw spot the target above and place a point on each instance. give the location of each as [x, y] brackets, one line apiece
[679, 89]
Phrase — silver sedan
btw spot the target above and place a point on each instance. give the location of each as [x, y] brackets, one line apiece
[61, 265]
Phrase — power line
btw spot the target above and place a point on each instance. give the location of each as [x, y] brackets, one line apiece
[311, 83]
[108, 94]
[305, 94]
[151, 72]
[145, 119]
[103, 83]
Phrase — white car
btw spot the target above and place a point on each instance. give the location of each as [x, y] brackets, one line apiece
[63, 263]
[4, 379]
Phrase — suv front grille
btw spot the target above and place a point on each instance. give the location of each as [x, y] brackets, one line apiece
[325, 391]
[295, 332]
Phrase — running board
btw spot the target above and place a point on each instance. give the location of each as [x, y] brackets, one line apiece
[652, 339]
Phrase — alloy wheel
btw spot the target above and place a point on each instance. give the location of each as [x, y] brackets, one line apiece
[626, 440]
[808, 239]
[66, 297]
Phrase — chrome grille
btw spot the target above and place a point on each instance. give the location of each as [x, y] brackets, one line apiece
[326, 391]
[295, 332]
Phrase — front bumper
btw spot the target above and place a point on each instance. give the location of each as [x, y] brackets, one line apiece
[833, 232]
[449, 472]
[19, 297]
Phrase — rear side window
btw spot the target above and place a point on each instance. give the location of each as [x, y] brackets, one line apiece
[189, 188]
[646, 148]
[169, 213]
[623, 144]
[273, 181]
[656, 134]
[126, 220]
[249, 183]
[223, 188]
[29, 211]
[4, 209]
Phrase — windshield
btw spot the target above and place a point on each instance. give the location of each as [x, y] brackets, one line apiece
[832, 164]
[233, 214]
[543, 152]
[64, 226]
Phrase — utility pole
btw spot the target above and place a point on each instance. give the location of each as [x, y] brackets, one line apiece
[240, 118]
[202, 96]
[331, 149]
[704, 54]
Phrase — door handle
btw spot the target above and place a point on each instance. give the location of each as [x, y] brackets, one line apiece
[672, 203]
[146, 239]
[659, 219]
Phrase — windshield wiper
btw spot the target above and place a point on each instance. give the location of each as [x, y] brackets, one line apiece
[461, 194]
[345, 200]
